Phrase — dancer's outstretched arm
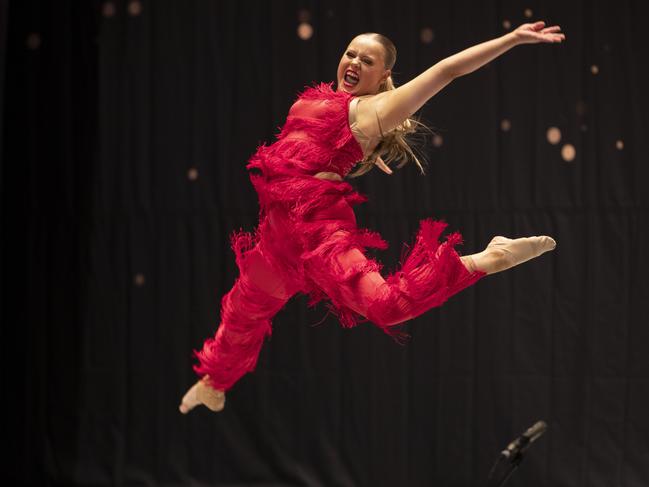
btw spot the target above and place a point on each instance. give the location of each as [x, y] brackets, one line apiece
[394, 106]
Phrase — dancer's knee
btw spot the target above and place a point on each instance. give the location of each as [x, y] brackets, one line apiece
[371, 296]
[389, 308]
[247, 303]
[258, 272]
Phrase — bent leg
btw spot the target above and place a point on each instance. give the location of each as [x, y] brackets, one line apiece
[423, 282]
[246, 312]
[417, 288]
[431, 273]
[399, 298]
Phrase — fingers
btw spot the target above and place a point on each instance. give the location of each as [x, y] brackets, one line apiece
[540, 27]
[554, 28]
[536, 32]
[382, 165]
[555, 37]
[554, 34]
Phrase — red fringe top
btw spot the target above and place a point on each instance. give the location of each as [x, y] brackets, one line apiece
[315, 138]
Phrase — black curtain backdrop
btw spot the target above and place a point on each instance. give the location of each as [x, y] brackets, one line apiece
[125, 131]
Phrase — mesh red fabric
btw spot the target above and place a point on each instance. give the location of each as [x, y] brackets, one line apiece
[307, 240]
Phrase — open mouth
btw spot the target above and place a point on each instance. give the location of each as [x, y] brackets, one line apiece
[351, 79]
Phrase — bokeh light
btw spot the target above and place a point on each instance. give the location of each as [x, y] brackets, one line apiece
[33, 41]
[303, 15]
[553, 135]
[568, 152]
[427, 35]
[304, 31]
[581, 108]
[108, 9]
[134, 8]
[505, 125]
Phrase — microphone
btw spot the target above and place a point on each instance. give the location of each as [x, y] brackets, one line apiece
[511, 457]
[517, 447]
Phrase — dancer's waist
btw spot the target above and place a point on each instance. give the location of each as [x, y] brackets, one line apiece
[275, 174]
[331, 176]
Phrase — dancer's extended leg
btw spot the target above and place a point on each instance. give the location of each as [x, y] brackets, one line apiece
[388, 302]
[246, 312]
[428, 277]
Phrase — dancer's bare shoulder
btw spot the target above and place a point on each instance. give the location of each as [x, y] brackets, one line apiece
[361, 123]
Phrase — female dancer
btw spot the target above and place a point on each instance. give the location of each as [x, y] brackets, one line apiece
[307, 239]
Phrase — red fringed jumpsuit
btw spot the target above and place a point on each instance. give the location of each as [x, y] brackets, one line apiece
[307, 241]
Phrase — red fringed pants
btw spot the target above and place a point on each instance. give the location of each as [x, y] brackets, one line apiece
[323, 256]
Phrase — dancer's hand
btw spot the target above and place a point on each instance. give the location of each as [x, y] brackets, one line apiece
[538, 32]
[202, 393]
[382, 165]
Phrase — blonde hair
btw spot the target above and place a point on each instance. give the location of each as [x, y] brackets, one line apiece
[394, 146]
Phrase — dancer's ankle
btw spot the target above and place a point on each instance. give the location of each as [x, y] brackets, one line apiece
[211, 398]
[469, 263]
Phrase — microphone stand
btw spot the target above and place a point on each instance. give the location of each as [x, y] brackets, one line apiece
[512, 456]
[503, 469]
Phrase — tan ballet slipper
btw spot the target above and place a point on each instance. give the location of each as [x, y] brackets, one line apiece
[503, 253]
[202, 393]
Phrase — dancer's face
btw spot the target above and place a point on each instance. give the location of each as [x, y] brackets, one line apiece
[364, 57]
